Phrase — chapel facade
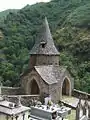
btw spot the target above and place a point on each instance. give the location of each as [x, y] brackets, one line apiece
[45, 76]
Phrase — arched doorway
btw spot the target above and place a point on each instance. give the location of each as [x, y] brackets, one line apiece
[66, 87]
[34, 87]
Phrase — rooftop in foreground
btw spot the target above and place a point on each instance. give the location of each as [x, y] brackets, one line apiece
[10, 108]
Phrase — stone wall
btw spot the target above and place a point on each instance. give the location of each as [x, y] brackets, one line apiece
[26, 83]
[32, 61]
[26, 100]
[77, 93]
[47, 60]
[43, 60]
[10, 90]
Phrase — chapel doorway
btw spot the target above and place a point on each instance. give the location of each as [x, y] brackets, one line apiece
[34, 88]
[66, 87]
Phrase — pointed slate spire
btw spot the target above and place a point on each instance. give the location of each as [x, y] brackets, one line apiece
[47, 33]
[44, 44]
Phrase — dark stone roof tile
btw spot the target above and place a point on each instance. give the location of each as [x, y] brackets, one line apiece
[50, 74]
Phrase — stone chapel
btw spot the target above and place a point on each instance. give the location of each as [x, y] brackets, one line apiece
[45, 75]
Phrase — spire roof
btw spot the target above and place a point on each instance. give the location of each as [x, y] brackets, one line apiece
[44, 44]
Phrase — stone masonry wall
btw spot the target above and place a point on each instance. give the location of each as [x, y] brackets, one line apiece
[26, 83]
[26, 100]
[43, 60]
[77, 93]
[47, 60]
[10, 90]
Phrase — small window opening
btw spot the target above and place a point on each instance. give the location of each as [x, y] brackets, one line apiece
[43, 45]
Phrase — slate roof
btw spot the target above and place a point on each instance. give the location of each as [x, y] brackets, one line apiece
[46, 39]
[50, 74]
[6, 109]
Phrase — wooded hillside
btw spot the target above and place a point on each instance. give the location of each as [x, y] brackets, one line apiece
[70, 25]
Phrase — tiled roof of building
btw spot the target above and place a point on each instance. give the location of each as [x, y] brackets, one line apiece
[50, 74]
[44, 44]
[10, 109]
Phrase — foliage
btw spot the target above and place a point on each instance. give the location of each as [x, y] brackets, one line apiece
[3, 14]
[69, 22]
[74, 44]
[80, 16]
